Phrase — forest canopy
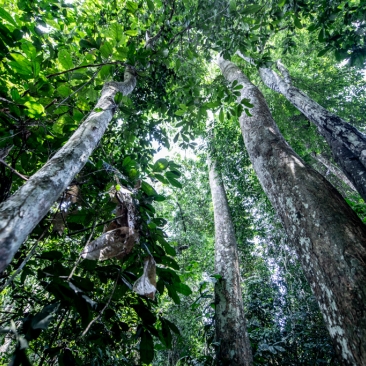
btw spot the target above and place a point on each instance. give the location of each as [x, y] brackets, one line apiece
[112, 116]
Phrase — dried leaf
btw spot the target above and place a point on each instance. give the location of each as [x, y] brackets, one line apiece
[146, 284]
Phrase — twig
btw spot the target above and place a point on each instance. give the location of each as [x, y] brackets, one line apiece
[13, 170]
[179, 33]
[83, 67]
[79, 259]
[77, 90]
[105, 307]
[90, 227]
[53, 337]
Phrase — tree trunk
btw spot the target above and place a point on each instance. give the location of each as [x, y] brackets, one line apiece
[231, 331]
[348, 145]
[20, 213]
[329, 238]
[334, 170]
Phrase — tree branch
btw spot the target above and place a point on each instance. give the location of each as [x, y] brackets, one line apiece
[105, 307]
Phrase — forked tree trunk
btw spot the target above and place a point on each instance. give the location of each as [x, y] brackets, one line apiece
[348, 145]
[21, 212]
[231, 332]
[329, 238]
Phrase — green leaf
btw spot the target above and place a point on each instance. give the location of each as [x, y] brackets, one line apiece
[173, 294]
[161, 178]
[232, 5]
[174, 182]
[35, 109]
[106, 50]
[247, 112]
[221, 115]
[169, 249]
[65, 59]
[251, 9]
[146, 347]
[131, 6]
[21, 64]
[148, 189]
[297, 22]
[160, 165]
[5, 15]
[247, 103]
[150, 5]
[183, 289]
[42, 319]
[132, 32]
[64, 90]
[106, 71]
[323, 52]
[166, 335]
[172, 326]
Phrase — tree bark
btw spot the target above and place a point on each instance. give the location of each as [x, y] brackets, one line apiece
[21, 212]
[348, 145]
[329, 238]
[231, 332]
[334, 170]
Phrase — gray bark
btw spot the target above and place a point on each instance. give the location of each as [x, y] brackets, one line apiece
[348, 145]
[334, 170]
[329, 238]
[21, 212]
[231, 331]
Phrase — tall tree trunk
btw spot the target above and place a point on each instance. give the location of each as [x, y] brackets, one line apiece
[334, 170]
[231, 331]
[329, 238]
[348, 145]
[21, 212]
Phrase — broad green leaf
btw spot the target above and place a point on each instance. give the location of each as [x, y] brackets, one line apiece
[132, 6]
[106, 71]
[173, 294]
[221, 115]
[64, 90]
[106, 50]
[174, 182]
[247, 103]
[65, 59]
[166, 335]
[5, 15]
[146, 347]
[183, 289]
[132, 32]
[297, 22]
[169, 249]
[160, 165]
[34, 109]
[150, 5]
[22, 65]
[148, 189]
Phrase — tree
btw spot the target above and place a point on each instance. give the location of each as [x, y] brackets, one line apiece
[55, 58]
[26, 208]
[230, 324]
[305, 201]
[346, 142]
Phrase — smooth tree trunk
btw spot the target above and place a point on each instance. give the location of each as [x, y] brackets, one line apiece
[348, 145]
[329, 238]
[231, 333]
[21, 212]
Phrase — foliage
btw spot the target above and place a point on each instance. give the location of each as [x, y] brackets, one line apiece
[55, 57]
